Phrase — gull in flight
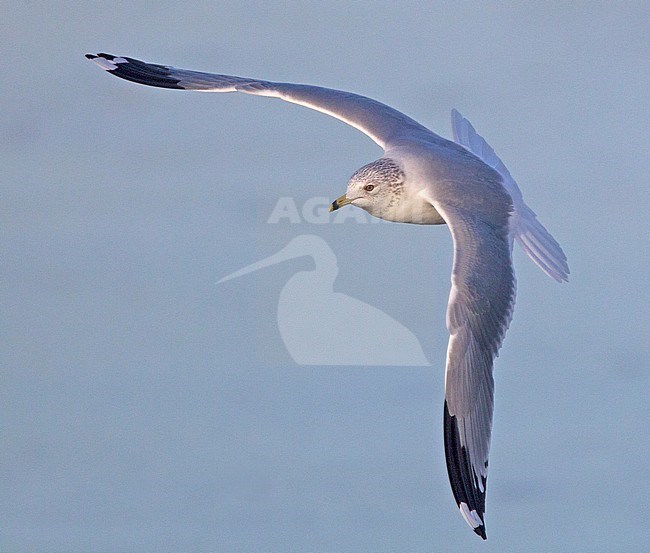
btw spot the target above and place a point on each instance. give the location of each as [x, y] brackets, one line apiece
[423, 178]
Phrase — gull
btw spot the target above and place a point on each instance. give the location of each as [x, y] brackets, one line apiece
[423, 178]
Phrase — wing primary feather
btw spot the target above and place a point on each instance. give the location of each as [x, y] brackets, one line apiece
[136, 71]
[469, 496]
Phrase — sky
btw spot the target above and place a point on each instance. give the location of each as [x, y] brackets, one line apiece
[145, 407]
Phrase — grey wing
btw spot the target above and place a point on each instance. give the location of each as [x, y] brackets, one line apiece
[379, 121]
[479, 312]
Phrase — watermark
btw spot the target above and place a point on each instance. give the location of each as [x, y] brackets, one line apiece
[322, 327]
[315, 211]
[319, 326]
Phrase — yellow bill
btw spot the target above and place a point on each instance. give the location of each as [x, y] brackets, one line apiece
[339, 202]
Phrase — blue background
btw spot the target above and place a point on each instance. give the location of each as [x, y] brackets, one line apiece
[144, 408]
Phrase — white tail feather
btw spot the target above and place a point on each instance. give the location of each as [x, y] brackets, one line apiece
[528, 232]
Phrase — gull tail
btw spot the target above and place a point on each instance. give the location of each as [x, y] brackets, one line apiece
[529, 233]
[540, 246]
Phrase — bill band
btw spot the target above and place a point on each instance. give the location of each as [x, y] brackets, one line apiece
[339, 202]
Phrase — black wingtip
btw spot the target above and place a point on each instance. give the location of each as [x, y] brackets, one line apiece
[137, 71]
[464, 485]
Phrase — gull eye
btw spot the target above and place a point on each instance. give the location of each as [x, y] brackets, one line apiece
[369, 187]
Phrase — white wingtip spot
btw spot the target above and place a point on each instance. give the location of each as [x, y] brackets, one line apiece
[471, 517]
[108, 65]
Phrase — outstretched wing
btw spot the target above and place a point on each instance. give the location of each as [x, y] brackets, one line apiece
[479, 312]
[379, 121]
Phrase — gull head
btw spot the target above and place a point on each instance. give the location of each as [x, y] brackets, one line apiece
[376, 187]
